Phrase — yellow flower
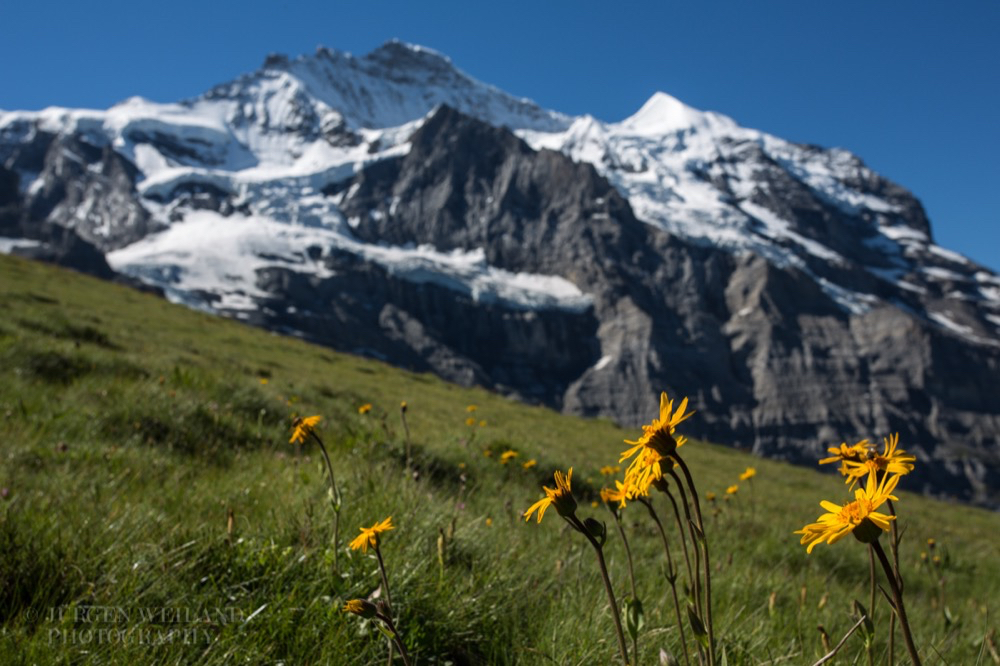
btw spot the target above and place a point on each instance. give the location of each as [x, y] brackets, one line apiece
[303, 428]
[528, 464]
[733, 489]
[890, 461]
[616, 495]
[656, 444]
[507, 456]
[489, 522]
[470, 421]
[360, 607]
[471, 408]
[609, 470]
[369, 535]
[710, 496]
[858, 517]
[365, 408]
[263, 381]
[856, 452]
[482, 424]
[749, 474]
[561, 496]
[402, 406]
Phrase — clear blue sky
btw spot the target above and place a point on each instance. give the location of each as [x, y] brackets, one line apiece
[913, 87]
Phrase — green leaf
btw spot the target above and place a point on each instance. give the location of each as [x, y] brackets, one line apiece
[698, 627]
[859, 611]
[635, 619]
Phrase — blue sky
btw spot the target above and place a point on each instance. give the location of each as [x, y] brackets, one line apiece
[912, 87]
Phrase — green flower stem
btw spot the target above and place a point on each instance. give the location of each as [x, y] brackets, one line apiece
[396, 639]
[680, 525]
[631, 577]
[334, 500]
[388, 602]
[898, 598]
[688, 528]
[671, 574]
[575, 522]
[708, 567]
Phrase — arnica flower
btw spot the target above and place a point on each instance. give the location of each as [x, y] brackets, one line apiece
[471, 408]
[470, 421]
[710, 496]
[892, 460]
[561, 497]
[609, 470]
[303, 428]
[528, 464]
[857, 452]
[733, 489]
[858, 517]
[507, 456]
[616, 495]
[402, 406]
[365, 609]
[365, 408]
[656, 443]
[749, 474]
[369, 535]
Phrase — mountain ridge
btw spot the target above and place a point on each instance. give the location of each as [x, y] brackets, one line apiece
[797, 295]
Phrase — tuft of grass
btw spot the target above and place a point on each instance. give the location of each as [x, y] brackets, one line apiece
[131, 428]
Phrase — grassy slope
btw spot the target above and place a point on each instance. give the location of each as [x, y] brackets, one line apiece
[130, 426]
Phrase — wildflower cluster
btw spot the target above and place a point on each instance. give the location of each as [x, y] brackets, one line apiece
[654, 464]
[877, 475]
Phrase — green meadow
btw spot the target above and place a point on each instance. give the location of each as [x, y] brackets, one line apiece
[153, 511]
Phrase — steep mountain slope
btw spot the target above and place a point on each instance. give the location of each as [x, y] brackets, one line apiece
[393, 206]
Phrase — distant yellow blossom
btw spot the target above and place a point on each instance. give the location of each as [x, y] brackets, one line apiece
[858, 517]
[402, 406]
[360, 607]
[528, 464]
[263, 381]
[610, 470]
[365, 408]
[561, 497]
[748, 474]
[303, 427]
[470, 421]
[471, 408]
[370, 535]
[489, 522]
[710, 496]
[733, 489]
[482, 424]
[507, 456]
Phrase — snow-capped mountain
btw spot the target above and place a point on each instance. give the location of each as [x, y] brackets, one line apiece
[392, 205]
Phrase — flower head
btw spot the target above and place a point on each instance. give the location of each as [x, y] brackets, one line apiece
[610, 470]
[858, 517]
[749, 474]
[360, 607]
[616, 495]
[561, 497]
[528, 464]
[892, 460]
[471, 408]
[733, 489]
[365, 408]
[370, 535]
[656, 444]
[303, 427]
[507, 456]
[843, 454]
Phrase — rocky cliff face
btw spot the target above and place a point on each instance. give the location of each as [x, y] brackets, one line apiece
[391, 206]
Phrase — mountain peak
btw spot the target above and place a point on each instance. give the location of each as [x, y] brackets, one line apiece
[664, 113]
[395, 53]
